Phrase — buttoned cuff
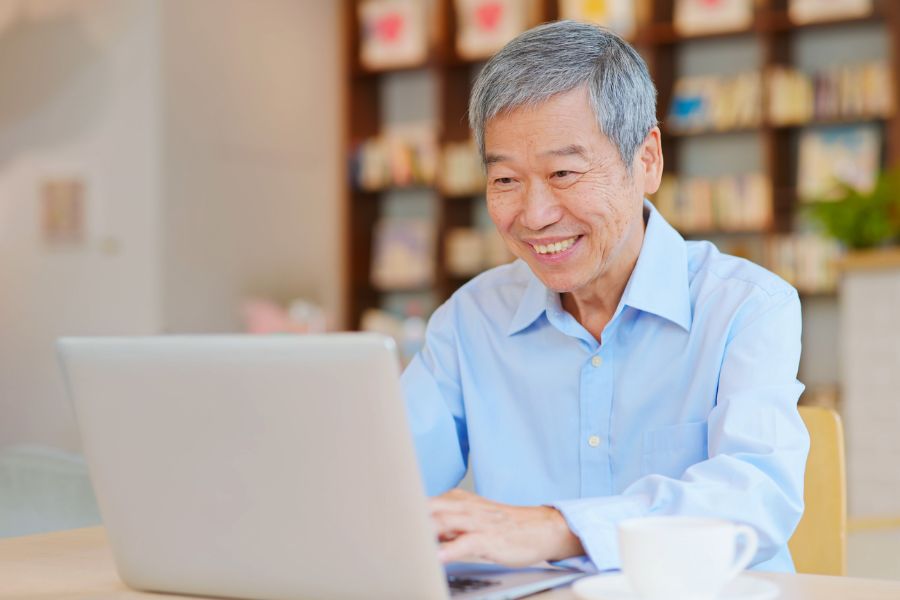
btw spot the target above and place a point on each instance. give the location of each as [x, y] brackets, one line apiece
[595, 521]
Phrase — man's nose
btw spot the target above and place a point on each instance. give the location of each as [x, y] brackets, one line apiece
[542, 208]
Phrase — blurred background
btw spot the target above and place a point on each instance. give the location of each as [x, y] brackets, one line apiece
[291, 166]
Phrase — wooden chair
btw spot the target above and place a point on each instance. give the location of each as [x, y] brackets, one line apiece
[819, 545]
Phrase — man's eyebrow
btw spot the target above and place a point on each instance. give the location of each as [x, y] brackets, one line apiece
[570, 150]
[492, 159]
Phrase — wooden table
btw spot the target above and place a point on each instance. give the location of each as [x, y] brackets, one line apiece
[77, 565]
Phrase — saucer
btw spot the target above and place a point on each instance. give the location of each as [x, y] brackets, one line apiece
[616, 587]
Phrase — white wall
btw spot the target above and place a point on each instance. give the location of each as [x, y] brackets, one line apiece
[208, 132]
[253, 151]
[78, 97]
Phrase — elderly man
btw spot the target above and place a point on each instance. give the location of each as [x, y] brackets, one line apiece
[614, 370]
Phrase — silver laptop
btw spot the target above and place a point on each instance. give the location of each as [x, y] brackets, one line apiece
[264, 467]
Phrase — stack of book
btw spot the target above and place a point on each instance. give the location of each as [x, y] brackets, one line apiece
[723, 204]
[402, 157]
[840, 93]
[470, 250]
[806, 260]
[461, 172]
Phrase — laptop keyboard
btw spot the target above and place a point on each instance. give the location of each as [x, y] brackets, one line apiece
[461, 585]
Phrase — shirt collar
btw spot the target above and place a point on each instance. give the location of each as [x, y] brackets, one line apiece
[536, 300]
[658, 284]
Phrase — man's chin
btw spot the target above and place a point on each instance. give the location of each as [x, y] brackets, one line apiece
[559, 285]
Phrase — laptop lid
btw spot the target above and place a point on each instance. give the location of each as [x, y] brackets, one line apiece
[263, 467]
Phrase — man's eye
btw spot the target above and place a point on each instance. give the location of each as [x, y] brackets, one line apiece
[503, 180]
[560, 174]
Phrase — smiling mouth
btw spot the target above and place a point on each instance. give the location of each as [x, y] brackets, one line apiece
[556, 247]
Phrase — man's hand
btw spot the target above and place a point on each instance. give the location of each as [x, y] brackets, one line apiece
[470, 527]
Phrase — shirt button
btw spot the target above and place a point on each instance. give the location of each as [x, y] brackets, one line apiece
[594, 441]
[597, 361]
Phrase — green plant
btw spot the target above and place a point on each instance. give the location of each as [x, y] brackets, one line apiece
[862, 219]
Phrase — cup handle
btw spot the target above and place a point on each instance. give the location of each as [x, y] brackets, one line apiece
[751, 543]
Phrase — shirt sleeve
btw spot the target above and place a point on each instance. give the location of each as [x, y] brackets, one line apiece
[435, 407]
[757, 447]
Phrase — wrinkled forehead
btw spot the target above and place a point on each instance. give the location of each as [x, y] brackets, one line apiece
[564, 125]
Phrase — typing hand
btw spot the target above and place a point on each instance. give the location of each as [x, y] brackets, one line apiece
[470, 527]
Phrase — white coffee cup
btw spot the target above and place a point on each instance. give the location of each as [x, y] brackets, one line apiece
[677, 558]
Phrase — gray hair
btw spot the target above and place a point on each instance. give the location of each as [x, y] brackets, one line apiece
[558, 57]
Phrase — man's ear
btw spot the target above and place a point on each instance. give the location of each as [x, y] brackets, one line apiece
[648, 163]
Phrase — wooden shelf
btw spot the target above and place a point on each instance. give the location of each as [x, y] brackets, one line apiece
[779, 21]
[726, 232]
[675, 133]
[659, 42]
[831, 122]
[761, 128]
[870, 260]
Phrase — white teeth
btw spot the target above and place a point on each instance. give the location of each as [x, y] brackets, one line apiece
[555, 247]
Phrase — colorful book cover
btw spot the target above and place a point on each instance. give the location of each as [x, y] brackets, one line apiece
[694, 17]
[392, 34]
[618, 15]
[832, 156]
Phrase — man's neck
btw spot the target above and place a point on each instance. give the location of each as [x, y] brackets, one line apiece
[595, 306]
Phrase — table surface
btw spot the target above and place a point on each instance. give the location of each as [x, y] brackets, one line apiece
[77, 564]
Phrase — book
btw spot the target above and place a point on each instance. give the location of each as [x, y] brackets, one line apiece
[704, 103]
[707, 205]
[485, 26]
[618, 15]
[403, 253]
[842, 92]
[393, 34]
[811, 11]
[830, 156]
[403, 155]
[807, 261]
[696, 17]
[461, 172]
[464, 251]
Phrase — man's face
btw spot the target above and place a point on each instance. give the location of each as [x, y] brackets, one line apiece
[561, 196]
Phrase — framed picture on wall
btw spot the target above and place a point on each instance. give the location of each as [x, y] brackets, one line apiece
[485, 26]
[811, 11]
[830, 156]
[618, 15]
[393, 34]
[62, 206]
[694, 17]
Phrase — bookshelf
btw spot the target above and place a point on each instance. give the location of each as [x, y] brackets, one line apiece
[771, 34]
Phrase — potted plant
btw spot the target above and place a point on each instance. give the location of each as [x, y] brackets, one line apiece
[862, 219]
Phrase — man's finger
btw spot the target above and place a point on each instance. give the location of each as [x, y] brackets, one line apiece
[463, 548]
[446, 523]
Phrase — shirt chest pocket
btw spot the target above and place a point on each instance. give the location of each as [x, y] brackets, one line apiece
[670, 450]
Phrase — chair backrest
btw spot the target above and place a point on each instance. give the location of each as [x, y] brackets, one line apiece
[819, 545]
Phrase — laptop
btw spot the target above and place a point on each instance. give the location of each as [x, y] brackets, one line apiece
[264, 467]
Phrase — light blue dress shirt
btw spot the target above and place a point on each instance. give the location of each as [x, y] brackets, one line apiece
[687, 407]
